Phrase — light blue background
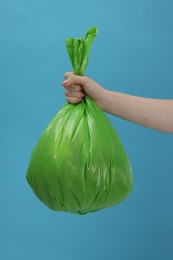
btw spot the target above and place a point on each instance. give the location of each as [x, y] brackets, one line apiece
[133, 53]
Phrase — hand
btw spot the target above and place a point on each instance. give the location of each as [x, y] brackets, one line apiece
[77, 86]
[73, 89]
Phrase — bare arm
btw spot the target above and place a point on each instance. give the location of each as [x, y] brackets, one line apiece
[153, 113]
[149, 112]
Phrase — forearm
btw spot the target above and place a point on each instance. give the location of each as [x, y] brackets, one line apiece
[152, 113]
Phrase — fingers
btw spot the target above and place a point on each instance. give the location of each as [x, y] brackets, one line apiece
[68, 74]
[74, 97]
[78, 94]
[73, 90]
[74, 79]
[70, 85]
[73, 100]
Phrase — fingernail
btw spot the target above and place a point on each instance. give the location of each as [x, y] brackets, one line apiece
[65, 82]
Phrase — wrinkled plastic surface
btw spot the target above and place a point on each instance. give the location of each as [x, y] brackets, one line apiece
[79, 164]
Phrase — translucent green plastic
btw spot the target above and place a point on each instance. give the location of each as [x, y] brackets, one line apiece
[79, 164]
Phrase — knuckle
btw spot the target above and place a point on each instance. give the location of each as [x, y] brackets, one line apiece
[79, 100]
[65, 92]
[68, 74]
[81, 95]
[67, 99]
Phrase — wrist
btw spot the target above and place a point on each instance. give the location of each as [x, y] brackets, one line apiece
[102, 99]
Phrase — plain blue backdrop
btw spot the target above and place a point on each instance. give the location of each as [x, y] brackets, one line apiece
[133, 53]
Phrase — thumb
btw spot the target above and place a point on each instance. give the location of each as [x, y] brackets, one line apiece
[74, 79]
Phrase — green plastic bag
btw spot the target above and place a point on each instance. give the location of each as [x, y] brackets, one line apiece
[79, 164]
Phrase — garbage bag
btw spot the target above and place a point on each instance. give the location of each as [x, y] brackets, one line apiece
[79, 164]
